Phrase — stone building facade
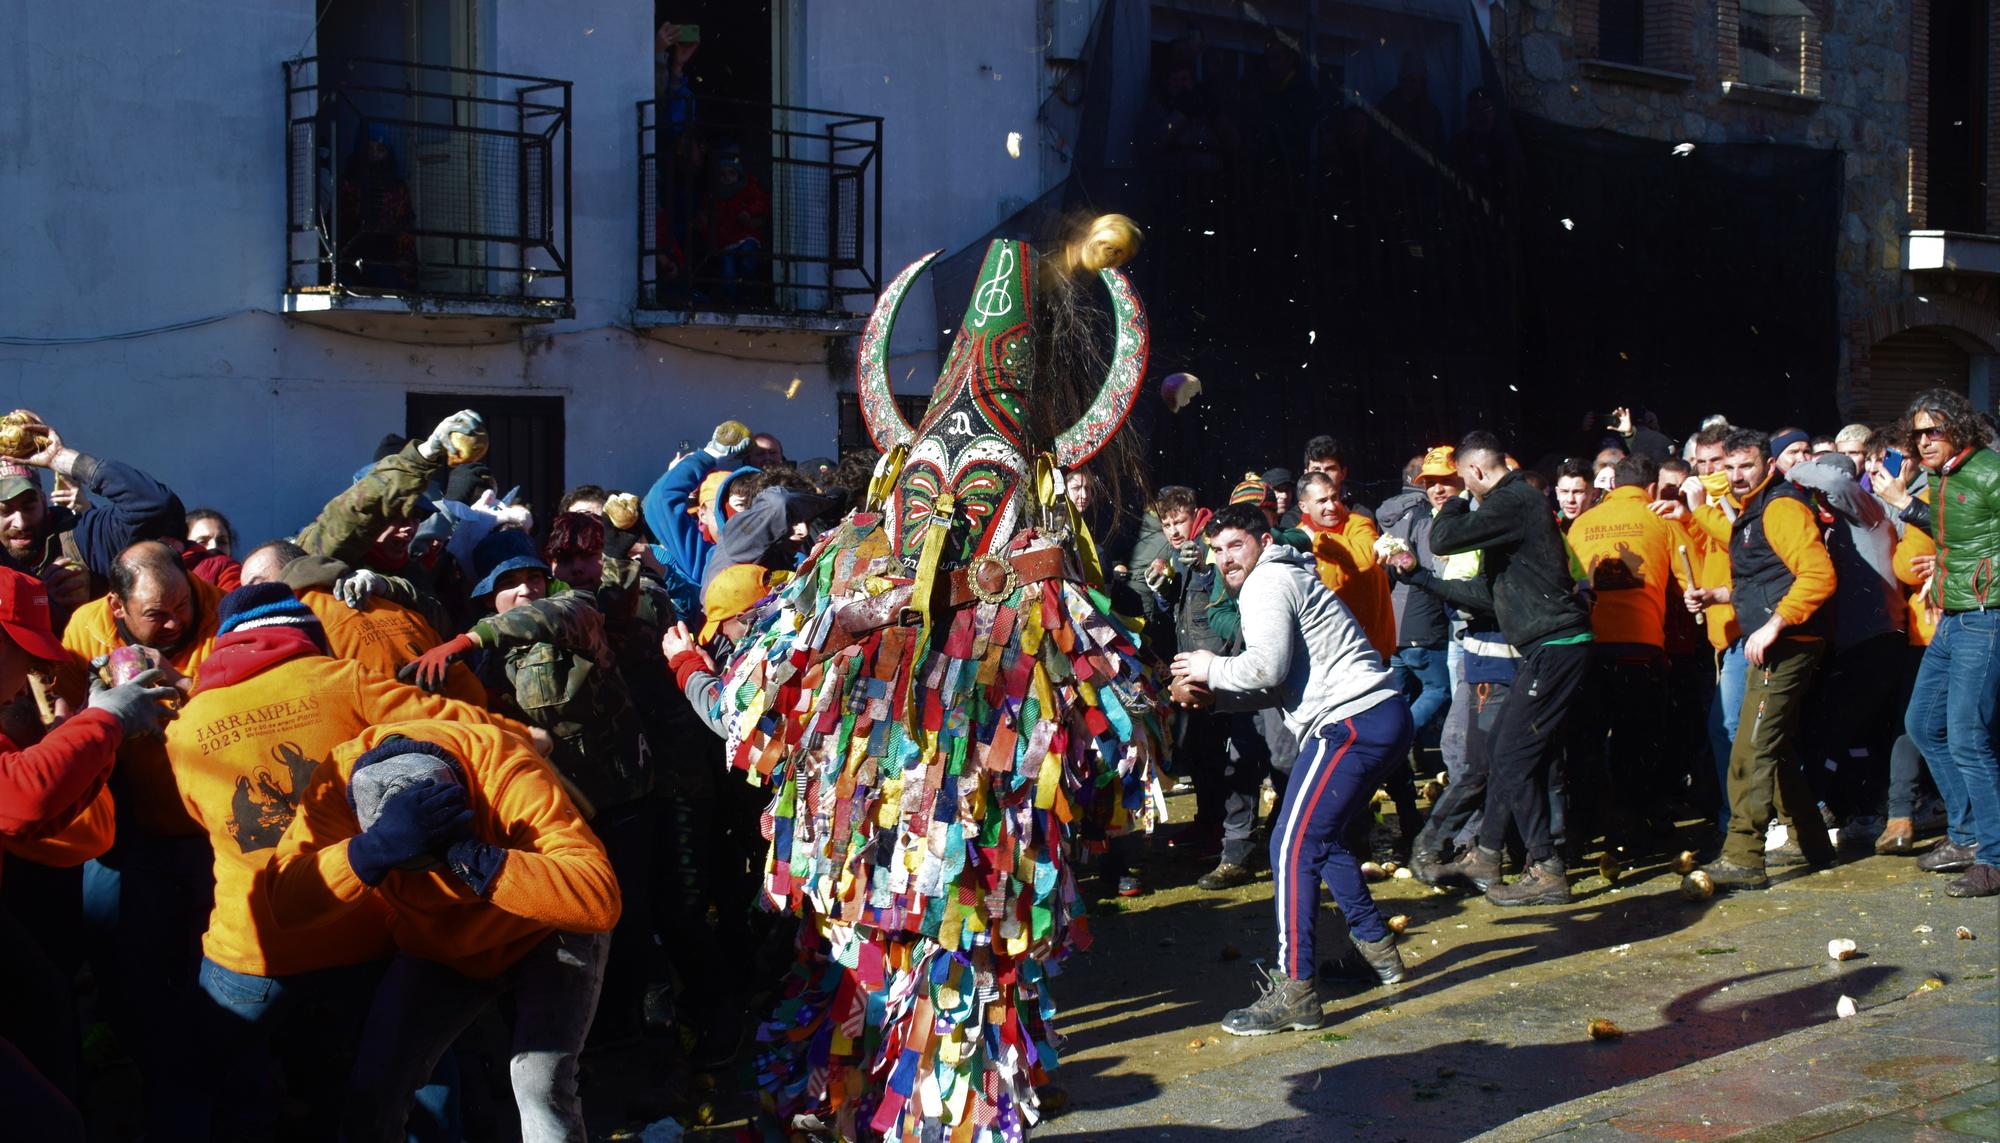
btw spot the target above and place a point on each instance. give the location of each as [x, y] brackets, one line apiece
[1918, 279]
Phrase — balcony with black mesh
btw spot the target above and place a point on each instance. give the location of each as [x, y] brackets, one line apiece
[757, 215]
[426, 189]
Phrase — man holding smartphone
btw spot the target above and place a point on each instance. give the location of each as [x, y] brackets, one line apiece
[1955, 705]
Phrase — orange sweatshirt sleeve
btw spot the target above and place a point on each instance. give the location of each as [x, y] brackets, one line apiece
[1713, 523]
[1912, 545]
[310, 881]
[1794, 535]
[556, 871]
[88, 835]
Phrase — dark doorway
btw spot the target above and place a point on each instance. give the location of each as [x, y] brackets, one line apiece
[733, 60]
[526, 440]
[1960, 116]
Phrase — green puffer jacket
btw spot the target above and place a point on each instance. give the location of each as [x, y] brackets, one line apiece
[1965, 522]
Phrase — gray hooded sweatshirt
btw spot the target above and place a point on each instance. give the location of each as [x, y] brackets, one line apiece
[1303, 652]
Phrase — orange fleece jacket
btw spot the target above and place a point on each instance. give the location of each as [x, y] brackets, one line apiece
[1711, 569]
[1793, 533]
[555, 876]
[1627, 555]
[385, 636]
[1346, 559]
[1923, 621]
[153, 802]
[242, 755]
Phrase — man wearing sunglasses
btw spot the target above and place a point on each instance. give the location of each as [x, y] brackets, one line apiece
[1957, 695]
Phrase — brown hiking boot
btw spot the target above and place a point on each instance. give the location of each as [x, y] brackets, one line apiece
[1728, 875]
[1383, 958]
[1476, 868]
[1543, 883]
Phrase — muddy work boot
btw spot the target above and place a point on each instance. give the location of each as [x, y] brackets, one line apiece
[1726, 874]
[1948, 856]
[1476, 868]
[1542, 884]
[1283, 1005]
[1382, 957]
[1980, 880]
[1426, 864]
[1225, 876]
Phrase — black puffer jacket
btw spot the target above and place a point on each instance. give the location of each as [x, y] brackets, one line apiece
[1533, 594]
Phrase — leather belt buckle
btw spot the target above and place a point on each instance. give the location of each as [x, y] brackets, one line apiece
[992, 579]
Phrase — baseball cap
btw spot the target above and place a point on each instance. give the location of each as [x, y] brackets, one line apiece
[16, 478]
[733, 591]
[1279, 477]
[1438, 462]
[705, 495]
[24, 613]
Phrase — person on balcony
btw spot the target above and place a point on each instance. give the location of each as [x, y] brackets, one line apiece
[739, 213]
[377, 221]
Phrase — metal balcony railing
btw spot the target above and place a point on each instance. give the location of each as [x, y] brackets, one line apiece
[426, 182]
[749, 207]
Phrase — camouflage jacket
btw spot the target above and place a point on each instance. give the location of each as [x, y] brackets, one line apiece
[549, 664]
[392, 490]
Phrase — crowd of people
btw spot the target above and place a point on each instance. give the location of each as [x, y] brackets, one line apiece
[303, 812]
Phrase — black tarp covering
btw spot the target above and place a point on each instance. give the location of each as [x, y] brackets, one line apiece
[1328, 266]
[1691, 284]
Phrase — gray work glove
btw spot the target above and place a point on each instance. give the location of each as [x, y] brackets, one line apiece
[438, 444]
[731, 437]
[138, 705]
[356, 588]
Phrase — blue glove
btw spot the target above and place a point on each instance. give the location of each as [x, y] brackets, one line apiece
[476, 863]
[414, 824]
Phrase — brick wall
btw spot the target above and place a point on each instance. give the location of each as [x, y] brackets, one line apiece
[1728, 17]
[1993, 118]
[1586, 41]
[1920, 112]
[1670, 34]
[1811, 51]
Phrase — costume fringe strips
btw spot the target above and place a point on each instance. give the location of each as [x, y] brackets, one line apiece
[930, 784]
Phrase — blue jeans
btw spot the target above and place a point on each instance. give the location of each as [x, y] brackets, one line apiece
[1952, 719]
[145, 906]
[422, 1006]
[1337, 771]
[1425, 666]
[1722, 715]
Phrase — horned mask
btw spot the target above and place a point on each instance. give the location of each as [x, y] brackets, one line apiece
[970, 464]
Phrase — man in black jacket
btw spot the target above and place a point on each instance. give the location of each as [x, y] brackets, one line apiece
[1535, 600]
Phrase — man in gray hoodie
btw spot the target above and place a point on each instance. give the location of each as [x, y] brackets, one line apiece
[1304, 654]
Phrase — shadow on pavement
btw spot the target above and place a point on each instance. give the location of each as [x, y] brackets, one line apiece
[1461, 1088]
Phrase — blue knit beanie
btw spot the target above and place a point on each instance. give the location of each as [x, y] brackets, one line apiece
[267, 605]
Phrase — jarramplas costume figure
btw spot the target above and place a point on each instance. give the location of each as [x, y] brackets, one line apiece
[946, 711]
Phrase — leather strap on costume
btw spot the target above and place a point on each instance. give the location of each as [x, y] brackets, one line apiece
[990, 577]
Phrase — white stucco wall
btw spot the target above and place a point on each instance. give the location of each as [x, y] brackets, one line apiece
[141, 171]
[950, 82]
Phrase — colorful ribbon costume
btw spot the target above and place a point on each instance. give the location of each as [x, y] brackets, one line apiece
[945, 709]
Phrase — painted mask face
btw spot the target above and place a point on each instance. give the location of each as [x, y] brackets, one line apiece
[970, 445]
[970, 442]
